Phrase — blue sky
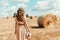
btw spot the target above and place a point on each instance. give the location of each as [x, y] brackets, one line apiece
[31, 7]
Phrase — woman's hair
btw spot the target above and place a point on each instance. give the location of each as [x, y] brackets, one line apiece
[20, 13]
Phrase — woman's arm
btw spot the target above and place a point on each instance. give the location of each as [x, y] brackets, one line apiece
[15, 25]
[25, 25]
[27, 28]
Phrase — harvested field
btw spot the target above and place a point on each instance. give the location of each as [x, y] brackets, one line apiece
[7, 30]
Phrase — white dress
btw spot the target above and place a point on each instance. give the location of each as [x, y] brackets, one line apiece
[22, 32]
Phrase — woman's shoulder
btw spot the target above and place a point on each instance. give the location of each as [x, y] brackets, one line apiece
[24, 16]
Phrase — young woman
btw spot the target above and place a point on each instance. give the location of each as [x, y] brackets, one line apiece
[21, 26]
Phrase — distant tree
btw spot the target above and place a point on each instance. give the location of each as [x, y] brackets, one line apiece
[14, 15]
[27, 15]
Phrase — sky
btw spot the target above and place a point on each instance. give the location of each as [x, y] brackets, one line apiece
[31, 7]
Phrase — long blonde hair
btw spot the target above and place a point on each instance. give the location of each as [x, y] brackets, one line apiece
[20, 13]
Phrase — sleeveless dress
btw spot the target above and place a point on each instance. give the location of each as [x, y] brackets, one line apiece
[21, 32]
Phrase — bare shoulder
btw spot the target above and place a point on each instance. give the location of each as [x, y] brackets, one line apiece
[24, 16]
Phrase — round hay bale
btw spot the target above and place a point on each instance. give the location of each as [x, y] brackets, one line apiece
[7, 17]
[31, 17]
[48, 19]
[44, 21]
[40, 21]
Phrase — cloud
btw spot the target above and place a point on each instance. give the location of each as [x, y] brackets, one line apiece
[11, 9]
[57, 4]
[55, 12]
[47, 6]
[42, 5]
[7, 8]
[4, 14]
[25, 1]
[4, 3]
[7, 11]
[29, 12]
[22, 5]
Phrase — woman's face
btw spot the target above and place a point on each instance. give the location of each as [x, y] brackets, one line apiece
[21, 13]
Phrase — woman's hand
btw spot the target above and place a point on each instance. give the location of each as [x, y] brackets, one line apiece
[15, 32]
[28, 35]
